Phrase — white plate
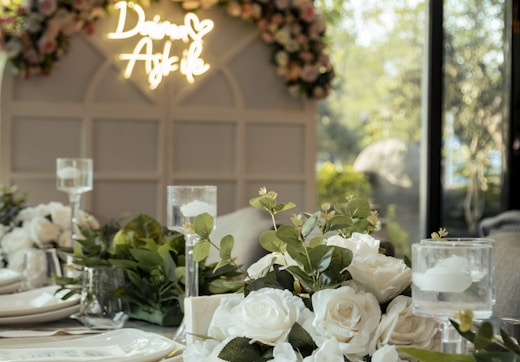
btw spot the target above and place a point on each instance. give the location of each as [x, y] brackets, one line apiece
[127, 344]
[34, 301]
[49, 316]
[8, 276]
[10, 288]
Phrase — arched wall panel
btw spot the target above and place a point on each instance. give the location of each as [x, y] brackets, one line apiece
[236, 127]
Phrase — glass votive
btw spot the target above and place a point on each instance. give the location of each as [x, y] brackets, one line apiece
[100, 307]
[39, 268]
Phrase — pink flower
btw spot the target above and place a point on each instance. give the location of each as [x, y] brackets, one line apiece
[47, 44]
[309, 73]
[47, 7]
[307, 57]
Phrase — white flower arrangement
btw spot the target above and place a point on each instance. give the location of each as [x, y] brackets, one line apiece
[329, 295]
[42, 226]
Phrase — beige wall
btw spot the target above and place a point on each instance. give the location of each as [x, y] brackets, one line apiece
[236, 127]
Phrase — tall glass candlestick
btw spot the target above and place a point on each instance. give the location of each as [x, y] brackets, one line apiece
[74, 176]
[184, 204]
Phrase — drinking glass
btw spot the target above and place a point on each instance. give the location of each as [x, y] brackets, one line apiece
[39, 268]
[100, 306]
[451, 275]
[184, 204]
[74, 176]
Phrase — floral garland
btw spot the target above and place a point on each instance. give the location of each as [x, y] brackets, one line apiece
[36, 35]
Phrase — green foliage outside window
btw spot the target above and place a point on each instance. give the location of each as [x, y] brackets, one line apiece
[335, 182]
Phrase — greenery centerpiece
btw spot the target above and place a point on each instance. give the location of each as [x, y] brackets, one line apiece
[325, 291]
[153, 259]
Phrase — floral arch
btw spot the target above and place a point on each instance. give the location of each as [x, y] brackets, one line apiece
[35, 35]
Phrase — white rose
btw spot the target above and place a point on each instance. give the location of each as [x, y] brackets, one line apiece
[360, 244]
[42, 231]
[65, 238]
[329, 351]
[263, 265]
[348, 316]
[220, 322]
[284, 352]
[87, 221]
[27, 214]
[60, 215]
[384, 276]
[15, 240]
[17, 260]
[401, 327]
[386, 354]
[266, 315]
[203, 350]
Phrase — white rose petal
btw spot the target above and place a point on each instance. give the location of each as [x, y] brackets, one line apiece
[266, 315]
[203, 350]
[384, 276]
[17, 239]
[386, 354]
[284, 352]
[360, 244]
[60, 215]
[220, 324]
[401, 327]
[329, 351]
[262, 266]
[42, 231]
[348, 316]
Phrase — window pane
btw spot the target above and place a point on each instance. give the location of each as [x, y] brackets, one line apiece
[369, 128]
[474, 108]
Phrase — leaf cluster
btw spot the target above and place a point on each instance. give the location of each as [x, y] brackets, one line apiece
[242, 349]
[318, 266]
[11, 203]
[153, 259]
[490, 339]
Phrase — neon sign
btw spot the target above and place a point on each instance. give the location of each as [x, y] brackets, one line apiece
[159, 65]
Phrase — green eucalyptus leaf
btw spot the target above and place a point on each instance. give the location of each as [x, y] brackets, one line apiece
[146, 258]
[263, 202]
[484, 336]
[203, 225]
[358, 208]
[509, 342]
[321, 257]
[305, 278]
[299, 254]
[221, 286]
[283, 207]
[485, 356]
[301, 340]
[424, 355]
[240, 349]
[201, 250]
[170, 268]
[284, 278]
[315, 241]
[271, 242]
[226, 247]
[289, 235]
[143, 227]
[310, 224]
[221, 264]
